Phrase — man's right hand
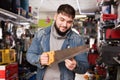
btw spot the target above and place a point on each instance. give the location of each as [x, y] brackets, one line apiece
[44, 59]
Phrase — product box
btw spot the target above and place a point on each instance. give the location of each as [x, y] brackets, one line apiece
[9, 71]
[112, 34]
[7, 56]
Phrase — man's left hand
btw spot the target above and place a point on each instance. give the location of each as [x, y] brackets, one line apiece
[70, 64]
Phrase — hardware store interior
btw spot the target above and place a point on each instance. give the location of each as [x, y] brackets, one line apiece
[98, 21]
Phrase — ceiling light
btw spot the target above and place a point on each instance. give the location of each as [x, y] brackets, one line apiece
[80, 16]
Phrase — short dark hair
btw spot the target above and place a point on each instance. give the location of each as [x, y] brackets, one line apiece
[66, 9]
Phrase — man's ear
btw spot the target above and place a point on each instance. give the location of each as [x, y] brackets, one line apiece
[55, 16]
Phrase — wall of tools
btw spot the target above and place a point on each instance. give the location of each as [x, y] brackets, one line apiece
[104, 54]
[109, 39]
[15, 38]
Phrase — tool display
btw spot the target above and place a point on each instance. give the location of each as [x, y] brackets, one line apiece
[60, 55]
[7, 56]
[108, 53]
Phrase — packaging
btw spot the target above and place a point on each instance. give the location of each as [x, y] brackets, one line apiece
[106, 17]
[112, 34]
[9, 71]
[7, 56]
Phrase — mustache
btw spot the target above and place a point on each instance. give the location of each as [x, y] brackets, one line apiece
[64, 26]
[61, 33]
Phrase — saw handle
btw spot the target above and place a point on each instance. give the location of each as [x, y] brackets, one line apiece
[50, 57]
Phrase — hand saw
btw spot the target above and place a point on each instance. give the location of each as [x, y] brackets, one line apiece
[60, 55]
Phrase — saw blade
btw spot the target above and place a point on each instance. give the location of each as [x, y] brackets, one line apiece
[61, 55]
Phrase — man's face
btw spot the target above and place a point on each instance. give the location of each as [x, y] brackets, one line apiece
[63, 22]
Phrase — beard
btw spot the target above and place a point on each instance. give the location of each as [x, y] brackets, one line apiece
[59, 32]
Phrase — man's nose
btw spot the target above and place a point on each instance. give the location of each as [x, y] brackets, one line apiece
[64, 23]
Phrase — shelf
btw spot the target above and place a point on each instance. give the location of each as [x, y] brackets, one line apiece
[9, 16]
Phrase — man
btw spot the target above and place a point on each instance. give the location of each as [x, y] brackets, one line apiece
[57, 37]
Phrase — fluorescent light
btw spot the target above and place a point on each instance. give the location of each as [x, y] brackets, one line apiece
[24, 23]
[88, 13]
[80, 16]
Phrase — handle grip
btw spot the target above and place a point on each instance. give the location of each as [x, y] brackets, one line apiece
[51, 57]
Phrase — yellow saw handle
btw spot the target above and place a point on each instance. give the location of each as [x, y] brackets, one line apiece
[51, 57]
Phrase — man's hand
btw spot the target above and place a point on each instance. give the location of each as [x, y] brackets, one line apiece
[70, 64]
[44, 59]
